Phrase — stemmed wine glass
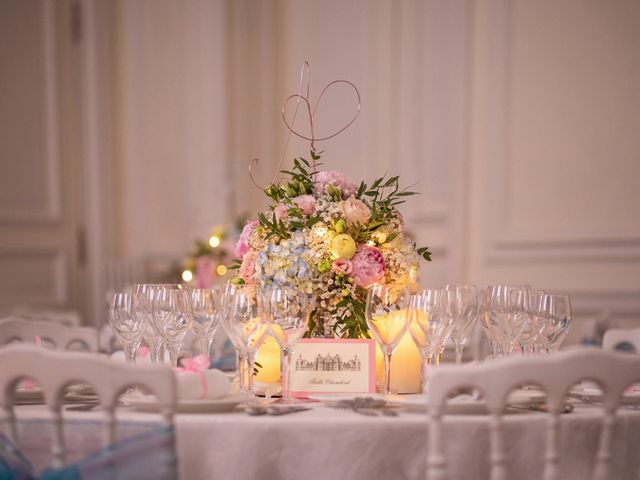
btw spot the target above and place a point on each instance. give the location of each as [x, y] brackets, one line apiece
[427, 325]
[461, 304]
[143, 309]
[287, 312]
[225, 295]
[555, 311]
[386, 312]
[529, 337]
[247, 330]
[506, 311]
[206, 317]
[125, 324]
[172, 317]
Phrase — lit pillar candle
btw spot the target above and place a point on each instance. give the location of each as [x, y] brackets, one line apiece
[269, 357]
[405, 367]
[405, 363]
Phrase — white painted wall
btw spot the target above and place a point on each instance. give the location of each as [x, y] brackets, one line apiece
[518, 119]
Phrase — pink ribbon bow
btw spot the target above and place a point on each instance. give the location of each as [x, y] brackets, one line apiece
[197, 364]
[143, 352]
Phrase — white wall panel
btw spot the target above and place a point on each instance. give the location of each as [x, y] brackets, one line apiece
[553, 156]
[33, 276]
[30, 189]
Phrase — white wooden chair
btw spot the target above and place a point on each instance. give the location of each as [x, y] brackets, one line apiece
[555, 374]
[53, 371]
[61, 336]
[615, 337]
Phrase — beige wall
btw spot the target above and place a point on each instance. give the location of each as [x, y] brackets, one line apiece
[519, 120]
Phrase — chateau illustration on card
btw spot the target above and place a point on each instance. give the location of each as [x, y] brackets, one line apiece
[328, 363]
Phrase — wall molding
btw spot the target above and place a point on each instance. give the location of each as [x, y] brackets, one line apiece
[502, 244]
[52, 211]
[58, 259]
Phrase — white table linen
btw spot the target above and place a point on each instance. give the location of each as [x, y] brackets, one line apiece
[326, 443]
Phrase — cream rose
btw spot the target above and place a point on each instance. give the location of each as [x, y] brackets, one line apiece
[343, 246]
[355, 211]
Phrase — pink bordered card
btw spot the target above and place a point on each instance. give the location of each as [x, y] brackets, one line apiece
[323, 365]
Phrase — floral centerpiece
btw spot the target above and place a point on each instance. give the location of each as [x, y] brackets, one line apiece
[333, 238]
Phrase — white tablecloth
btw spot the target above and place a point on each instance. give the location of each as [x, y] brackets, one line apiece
[326, 443]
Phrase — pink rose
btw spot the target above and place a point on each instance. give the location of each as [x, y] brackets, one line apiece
[355, 211]
[342, 265]
[242, 246]
[280, 211]
[306, 203]
[322, 180]
[248, 267]
[368, 266]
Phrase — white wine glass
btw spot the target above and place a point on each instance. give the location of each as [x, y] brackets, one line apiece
[426, 325]
[287, 312]
[172, 317]
[461, 305]
[386, 312]
[206, 317]
[555, 310]
[125, 324]
[247, 330]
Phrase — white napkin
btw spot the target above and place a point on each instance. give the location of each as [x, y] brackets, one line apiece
[190, 385]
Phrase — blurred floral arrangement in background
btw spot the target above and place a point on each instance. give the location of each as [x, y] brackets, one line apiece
[207, 264]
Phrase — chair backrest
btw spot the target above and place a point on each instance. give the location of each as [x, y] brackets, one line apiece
[53, 371]
[61, 336]
[615, 338]
[555, 374]
[65, 317]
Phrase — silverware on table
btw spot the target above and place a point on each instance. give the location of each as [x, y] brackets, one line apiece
[540, 407]
[368, 406]
[274, 409]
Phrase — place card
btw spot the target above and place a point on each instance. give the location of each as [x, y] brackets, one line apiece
[323, 365]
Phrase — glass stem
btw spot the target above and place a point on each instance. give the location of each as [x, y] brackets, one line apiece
[129, 353]
[241, 377]
[387, 369]
[153, 351]
[424, 362]
[203, 345]
[459, 349]
[251, 360]
[173, 356]
[286, 374]
[438, 358]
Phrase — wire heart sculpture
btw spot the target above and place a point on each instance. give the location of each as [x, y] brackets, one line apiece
[305, 73]
[312, 113]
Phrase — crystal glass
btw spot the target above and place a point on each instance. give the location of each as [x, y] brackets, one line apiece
[225, 295]
[287, 312]
[247, 330]
[386, 312]
[143, 308]
[427, 325]
[206, 317]
[505, 312]
[172, 317]
[125, 324]
[529, 338]
[461, 305]
[555, 312]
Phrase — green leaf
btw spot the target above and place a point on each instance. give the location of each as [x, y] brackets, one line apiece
[391, 181]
